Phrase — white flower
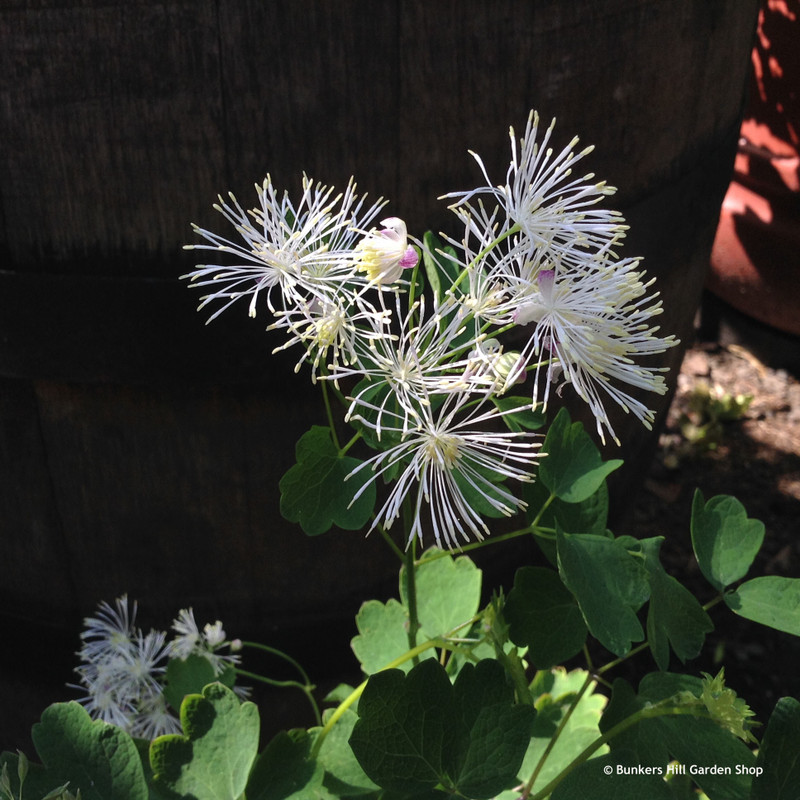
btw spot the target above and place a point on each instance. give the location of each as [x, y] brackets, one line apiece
[214, 635]
[551, 208]
[384, 254]
[299, 250]
[109, 634]
[329, 330]
[103, 699]
[154, 718]
[400, 370]
[592, 324]
[495, 276]
[122, 667]
[190, 641]
[451, 468]
[188, 637]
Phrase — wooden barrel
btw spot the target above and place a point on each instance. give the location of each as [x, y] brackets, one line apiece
[140, 451]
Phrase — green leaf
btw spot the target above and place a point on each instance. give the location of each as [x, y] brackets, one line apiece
[440, 270]
[213, 757]
[314, 491]
[700, 742]
[609, 584]
[771, 600]
[382, 635]
[657, 686]
[94, 757]
[588, 516]
[643, 739]
[703, 745]
[674, 616]
[725, 540]
[543, 615]
[344, 776]
[777, 769]
[285, 771]
[480, 497]
[615, 776]
[448, 592]
[417, 731]
[524, 418]
[494, 732]
[402, 728]
[555, 692]
[573, 468]
[380, 395]
[189, 675]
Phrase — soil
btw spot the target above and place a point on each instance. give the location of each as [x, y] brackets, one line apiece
[733, 428]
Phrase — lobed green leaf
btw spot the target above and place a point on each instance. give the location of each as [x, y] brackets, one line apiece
[779, 755]
[674, 615]
[724, 539]
[771, 600]
[285, 770]
[98, 759]
[316, 491]
[190, 675]
[643, 740]
[448, 592]
[614, 776]
[213, 757]
[555, 692]
[573, 468]
[609, 584]
[588, 516]
[343, 774]
[382, 635]
[699, 742]
[544, 616]
[417, 731]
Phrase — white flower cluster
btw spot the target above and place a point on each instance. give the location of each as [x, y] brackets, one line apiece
[537, 256]
[314, 262]
[123, 669]
[585, 313]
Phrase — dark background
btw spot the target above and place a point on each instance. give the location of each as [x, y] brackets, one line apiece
[140, 451]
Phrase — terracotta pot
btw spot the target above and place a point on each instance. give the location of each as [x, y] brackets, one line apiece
[755, 262]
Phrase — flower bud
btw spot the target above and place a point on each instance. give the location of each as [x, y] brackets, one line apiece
[384, 254]
[510, 367]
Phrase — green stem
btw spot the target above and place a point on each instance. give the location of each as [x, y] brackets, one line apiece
[544, 508]
[410, 571]
[488, 249]
[715, 602]
[356, 437]
[617, 661]
[392, 545]
[359, 690]
[329, 412]
[307, 689]
[559, 730]
[483, 543]
[280, 654]
[645, 713]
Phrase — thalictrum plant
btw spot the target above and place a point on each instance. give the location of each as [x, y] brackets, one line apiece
[439, 360]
